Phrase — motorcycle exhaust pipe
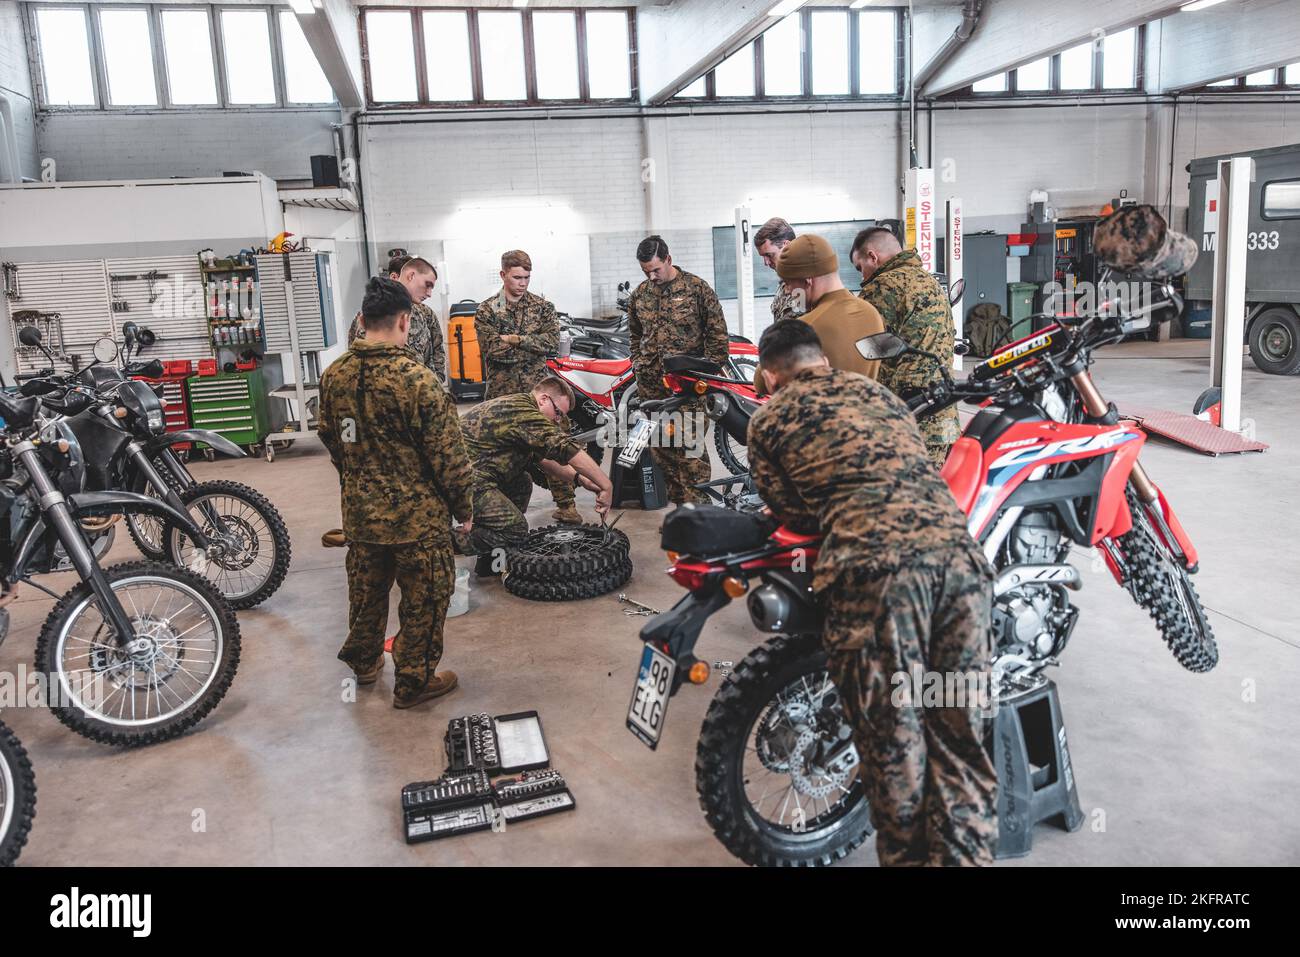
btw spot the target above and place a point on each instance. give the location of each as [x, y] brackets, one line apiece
[1019, 575]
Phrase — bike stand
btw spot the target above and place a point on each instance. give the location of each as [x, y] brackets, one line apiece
[1035, 780]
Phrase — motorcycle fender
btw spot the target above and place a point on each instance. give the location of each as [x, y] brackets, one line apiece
[1113, 518]
[111, 503]
[675, 631]
[168, 439]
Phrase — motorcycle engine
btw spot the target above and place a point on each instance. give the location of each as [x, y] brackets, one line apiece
[1035, 540]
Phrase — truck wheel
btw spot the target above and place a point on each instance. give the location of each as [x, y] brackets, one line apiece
[1275, 342]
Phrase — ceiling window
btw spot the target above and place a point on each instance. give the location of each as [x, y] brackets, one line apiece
[446, 45]
[877, 52]
[1229, 82]
[501, 46]
[187, 54]
[1119, 60]
[783, 58]
[830, 39]
[734, 76]
[555, 51]
[1262, 78]
[128, 57]
[609, 75]
[246, 41]
[1292, 75]
[65, 57]
[1076, 67]
[991, 84]
[698, 88]
[303, 78]
[390, 45]
[1035, 76]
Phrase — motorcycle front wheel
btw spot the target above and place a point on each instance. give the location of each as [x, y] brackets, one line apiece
[146, 530]
[757, 767]
[17, 797]
[255, 559]
[178, 665]
[1160, 583]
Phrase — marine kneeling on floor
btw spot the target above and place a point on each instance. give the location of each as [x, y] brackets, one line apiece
[514, 443]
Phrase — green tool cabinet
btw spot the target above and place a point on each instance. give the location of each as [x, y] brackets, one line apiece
[232, 404]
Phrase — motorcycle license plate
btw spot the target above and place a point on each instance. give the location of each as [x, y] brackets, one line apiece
[637, 440]
[649, 707]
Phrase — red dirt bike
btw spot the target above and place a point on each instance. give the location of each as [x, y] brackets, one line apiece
[599, 370]
[1047, 463]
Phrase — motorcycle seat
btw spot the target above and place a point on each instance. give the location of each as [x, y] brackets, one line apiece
[962, 471]
[677, 364]
[785, 536]
[607, 324]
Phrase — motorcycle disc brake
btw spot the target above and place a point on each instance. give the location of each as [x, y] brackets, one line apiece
[779, 732]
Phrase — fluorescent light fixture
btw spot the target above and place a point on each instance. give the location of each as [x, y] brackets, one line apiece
[303, 8]
[785, 8]
[1200, 5]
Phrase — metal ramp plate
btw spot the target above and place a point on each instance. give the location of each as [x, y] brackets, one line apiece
[1190, 431]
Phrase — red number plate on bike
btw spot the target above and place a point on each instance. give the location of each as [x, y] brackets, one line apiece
[649, 707]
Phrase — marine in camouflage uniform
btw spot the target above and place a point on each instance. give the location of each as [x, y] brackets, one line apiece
[395, 438]
[680, 317]
[425, 340]
[915, 309]
[901, 584]
[507, 438]
[517, 368]
[787, 305]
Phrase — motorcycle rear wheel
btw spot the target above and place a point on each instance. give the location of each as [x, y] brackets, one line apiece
[1160, 583]
[17, 797]
[785, 675]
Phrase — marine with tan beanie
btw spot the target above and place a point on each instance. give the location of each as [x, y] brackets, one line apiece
[810, 265]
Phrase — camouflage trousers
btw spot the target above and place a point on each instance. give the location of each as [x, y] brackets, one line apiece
[500, 525]
[684, 467]
[425, 571]
[928, 773]
[521, 377]
[938, 453]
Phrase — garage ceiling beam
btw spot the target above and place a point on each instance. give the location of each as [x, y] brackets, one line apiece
[1227, 40]
[331, 32]
[1015, 32]
[678, 42]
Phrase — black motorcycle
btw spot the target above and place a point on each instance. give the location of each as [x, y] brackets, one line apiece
[135, 653]
[124, 439]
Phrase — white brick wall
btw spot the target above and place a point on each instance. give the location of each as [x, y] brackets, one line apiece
[16, 84]
[106, 145]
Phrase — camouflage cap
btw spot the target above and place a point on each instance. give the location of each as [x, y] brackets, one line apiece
[1137, 240]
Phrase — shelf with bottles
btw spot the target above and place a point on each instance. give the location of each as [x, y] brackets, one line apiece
[232, 306]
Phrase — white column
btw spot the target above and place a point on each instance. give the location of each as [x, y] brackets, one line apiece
[955, 267]
[745, 273]
[1229, 296]
[919, 214]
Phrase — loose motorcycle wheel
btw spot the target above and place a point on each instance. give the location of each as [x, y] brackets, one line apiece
[1160, 583]
[176, 668]
[17, 797]
[757, 768]
[257, 548]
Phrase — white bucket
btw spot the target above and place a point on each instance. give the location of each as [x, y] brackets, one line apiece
[460, 597]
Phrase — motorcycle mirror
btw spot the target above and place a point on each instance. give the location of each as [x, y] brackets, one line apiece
[883, 345]
[955, 291]
[146, 337]
[105, 349]
[961, 347]
[129, 330]
[29, 336]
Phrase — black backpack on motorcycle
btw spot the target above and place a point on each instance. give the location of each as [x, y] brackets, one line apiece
[712, 530]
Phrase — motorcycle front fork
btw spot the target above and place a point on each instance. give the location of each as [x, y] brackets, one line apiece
[57, 513]
[165, 489]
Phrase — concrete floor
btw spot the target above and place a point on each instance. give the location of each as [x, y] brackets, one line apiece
[1173, 768]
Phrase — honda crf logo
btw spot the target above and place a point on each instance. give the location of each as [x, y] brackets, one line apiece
[1087, 443]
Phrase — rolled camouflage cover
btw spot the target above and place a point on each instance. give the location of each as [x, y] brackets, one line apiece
[1137, 241]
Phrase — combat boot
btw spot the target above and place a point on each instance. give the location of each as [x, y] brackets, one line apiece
[568, 515]
[371, 675]
[443, 682]
[333, 538]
